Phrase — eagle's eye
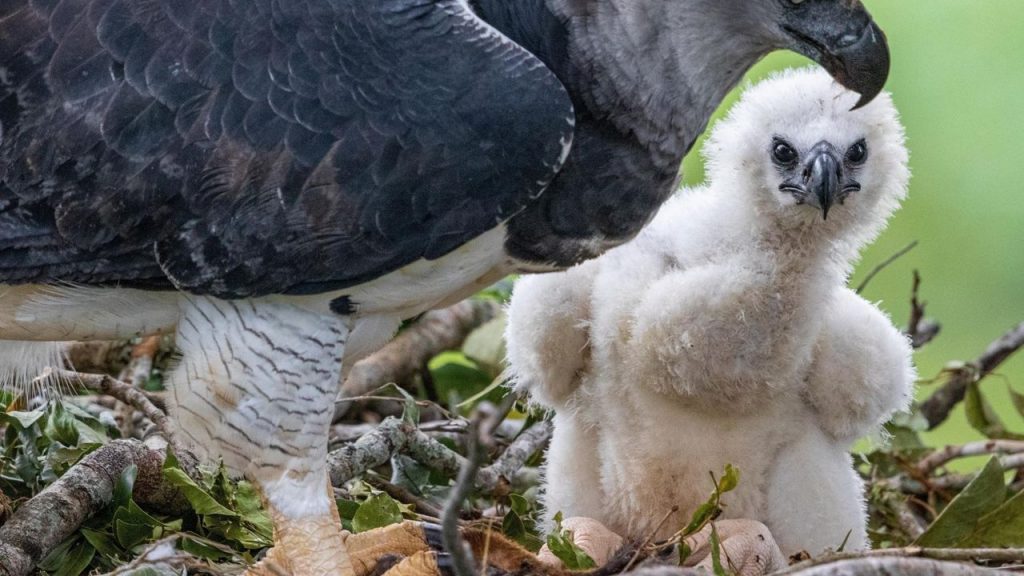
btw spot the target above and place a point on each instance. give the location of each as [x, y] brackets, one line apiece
[783, 153]
[857, 153]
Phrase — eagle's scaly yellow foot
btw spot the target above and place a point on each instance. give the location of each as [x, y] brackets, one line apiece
[308, 546]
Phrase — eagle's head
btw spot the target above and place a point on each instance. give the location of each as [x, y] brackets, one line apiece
[796, 152]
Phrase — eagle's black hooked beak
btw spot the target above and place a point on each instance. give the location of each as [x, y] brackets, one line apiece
[841, 36]
[823, 174]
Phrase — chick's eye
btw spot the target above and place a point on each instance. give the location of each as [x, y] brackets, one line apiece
[783, 153]
[857, 153]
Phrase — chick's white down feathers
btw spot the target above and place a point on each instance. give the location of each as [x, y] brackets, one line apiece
[725, 334]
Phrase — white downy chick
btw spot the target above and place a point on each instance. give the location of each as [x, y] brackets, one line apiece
[725, 333]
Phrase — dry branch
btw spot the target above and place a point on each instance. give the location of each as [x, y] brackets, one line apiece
[42, 523]
[948, 482]
[462, 561]
[885, 264]
[939, 405]
[941, 457]
[394, 436]
[497, 477]
[124, 392]
[920, 330]
[423, 507]
[404, 356]
[907, 561]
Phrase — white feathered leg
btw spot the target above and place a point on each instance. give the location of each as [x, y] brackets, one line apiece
[815, 498]
[255, 387]
[574, 464]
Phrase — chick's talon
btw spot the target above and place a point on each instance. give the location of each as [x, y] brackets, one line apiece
[589, 535]
[747, 547]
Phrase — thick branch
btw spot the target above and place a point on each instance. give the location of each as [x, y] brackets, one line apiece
[394, 436]
[498, 476]
[42, 523]
[938, 406]
[404, 356]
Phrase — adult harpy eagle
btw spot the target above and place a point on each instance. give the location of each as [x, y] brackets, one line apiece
[268, 176]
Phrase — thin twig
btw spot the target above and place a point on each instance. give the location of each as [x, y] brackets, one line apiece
[948, 482]
[647, 541]
[885, 264]
[423, 507]
[463, 563]
[122, 391]
[497, 477]
[920, 330]
[1001, 555]
[939, 405]
[941, 457]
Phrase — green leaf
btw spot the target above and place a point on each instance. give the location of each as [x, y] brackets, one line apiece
[486, 346]
[103, 543]
[377, 511]
[60, 425]
[60, 457]
[684, 552]
[982, 496]
[1002, 528]
[489, 391]
[129, 534]
[730, 480]
[716, 553]
[457, 377]
[202, 502]
[512, 525]
[23, 420]
[983, 418]
[202, 548]
[71, 558]
[518, 504]
[1018, 400]
[347, 508]
[246, 536]
[701, 516]
[125, 485]
[248, 504]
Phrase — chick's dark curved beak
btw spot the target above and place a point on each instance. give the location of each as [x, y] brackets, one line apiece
[823, 173]
[842, 37]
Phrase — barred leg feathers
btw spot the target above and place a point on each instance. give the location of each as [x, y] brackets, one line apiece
[255, 386]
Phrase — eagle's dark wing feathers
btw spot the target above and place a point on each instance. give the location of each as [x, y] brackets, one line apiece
[240, 148]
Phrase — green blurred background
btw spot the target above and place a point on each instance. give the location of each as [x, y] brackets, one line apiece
[958, 79]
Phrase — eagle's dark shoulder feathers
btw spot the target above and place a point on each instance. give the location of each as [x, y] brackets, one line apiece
[239, 148]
